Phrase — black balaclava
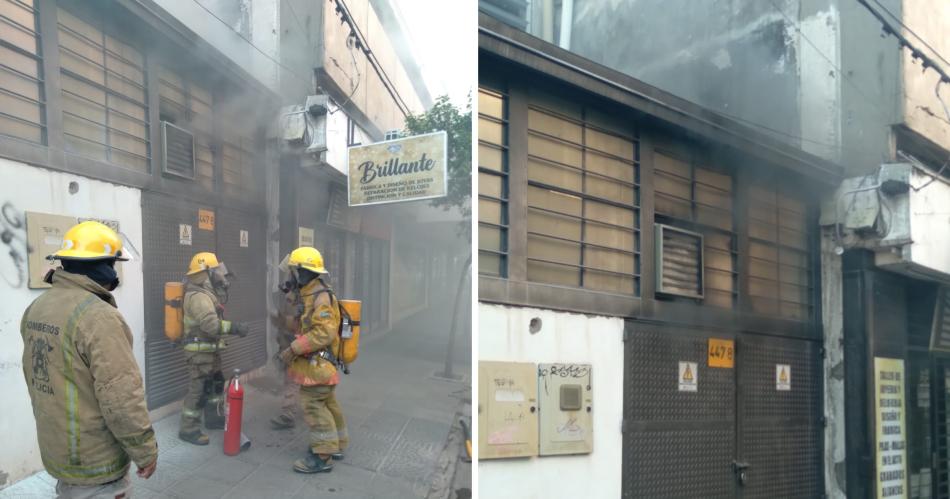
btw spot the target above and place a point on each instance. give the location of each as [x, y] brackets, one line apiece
[304, 277]
[101, 271]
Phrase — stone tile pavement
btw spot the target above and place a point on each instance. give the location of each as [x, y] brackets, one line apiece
[403, 426]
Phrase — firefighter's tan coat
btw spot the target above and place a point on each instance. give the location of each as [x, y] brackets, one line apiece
[87, 394]
[319, 330]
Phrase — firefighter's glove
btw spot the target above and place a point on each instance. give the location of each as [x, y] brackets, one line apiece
[240, 329]
[287, 356]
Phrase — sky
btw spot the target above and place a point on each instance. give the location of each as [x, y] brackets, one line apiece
[443, 34]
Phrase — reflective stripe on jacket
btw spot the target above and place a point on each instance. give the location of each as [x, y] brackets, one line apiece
[87, 393]
[204, 328]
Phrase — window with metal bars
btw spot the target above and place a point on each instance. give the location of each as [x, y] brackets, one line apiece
[22, 103]
[237, 162]
[188, 105]
[105, 110]
[583, 199]
[779, 266]
[492, 182]
[700, 200]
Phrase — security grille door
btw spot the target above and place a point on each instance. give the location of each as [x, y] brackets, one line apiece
[247, 300]
[165, 258]
[677, 442]
[780, 434]
[941, 416]
[750, 432]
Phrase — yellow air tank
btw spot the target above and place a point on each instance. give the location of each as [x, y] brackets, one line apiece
[174, 313]
[350, 335]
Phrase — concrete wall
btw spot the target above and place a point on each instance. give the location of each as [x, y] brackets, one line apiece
[746, 59]
[503, 336]
[922, 112]
[351, 72]
[870, 93]
[231, 36]
[26, 188]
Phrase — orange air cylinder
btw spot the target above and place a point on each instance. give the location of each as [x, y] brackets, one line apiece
[351, 335]
[174, 313]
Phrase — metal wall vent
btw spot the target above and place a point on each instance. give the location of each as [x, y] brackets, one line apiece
[178, 146]
[679, 265]
[940, 332]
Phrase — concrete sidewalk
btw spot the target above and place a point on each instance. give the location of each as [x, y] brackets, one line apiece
[399, 418]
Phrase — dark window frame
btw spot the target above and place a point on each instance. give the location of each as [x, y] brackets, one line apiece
[516, 290]
[503, 174]
[39, 80]
[584, 196]
[135, 27]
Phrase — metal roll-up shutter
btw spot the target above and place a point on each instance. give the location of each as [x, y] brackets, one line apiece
[247, 300]
[166, 259]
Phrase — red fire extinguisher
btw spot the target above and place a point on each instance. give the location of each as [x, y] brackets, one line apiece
[232, 416]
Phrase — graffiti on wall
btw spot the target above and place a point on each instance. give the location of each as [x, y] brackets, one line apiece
[13, 254]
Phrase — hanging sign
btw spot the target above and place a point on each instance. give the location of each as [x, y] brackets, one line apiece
[783, 377]
[722, 353]
[688, 376]
[891, 437]
[405, 169]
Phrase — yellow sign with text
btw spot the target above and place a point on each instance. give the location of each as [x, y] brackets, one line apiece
[890, 457]
[205, 219]
[722, 353]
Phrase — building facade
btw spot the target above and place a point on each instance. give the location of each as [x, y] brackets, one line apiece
[663, 257]
[854, 84]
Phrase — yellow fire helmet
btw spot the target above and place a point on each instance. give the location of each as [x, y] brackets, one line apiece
[202, 261]
[90, 240]
[308, 258]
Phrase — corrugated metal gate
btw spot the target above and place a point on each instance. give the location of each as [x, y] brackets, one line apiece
[166, 259]
[681, 444]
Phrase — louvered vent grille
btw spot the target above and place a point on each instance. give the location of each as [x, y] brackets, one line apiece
[179, 148]
[680, 262]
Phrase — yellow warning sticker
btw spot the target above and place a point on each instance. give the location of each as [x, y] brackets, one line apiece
[722, 353]
[688, 376]
[783, 377]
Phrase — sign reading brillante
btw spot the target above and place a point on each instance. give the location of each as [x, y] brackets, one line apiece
[406, 169]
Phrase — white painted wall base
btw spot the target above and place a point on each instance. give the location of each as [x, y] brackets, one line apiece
[27, 188]
[564, 337]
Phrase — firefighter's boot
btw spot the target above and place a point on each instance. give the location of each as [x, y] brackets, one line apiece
[312, 464]
[337, 456]
[282, 422]
[194, 437]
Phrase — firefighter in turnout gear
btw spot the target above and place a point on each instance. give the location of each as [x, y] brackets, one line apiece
[206, 287]
[87, 394]
[312, 365]
[287, 322]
